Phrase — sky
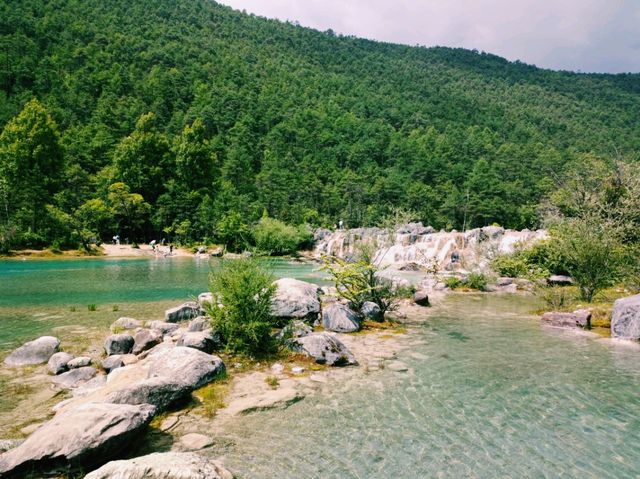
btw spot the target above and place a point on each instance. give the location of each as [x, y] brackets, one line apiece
[578, 35]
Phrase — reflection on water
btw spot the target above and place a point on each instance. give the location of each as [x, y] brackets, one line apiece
[513, 399]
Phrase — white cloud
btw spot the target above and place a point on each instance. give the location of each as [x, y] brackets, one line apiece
[587, 35]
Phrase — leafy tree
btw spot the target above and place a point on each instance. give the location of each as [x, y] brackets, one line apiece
[130, 211]
[195, 159]
[275, 237]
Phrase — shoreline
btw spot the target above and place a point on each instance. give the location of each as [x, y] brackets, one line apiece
[102, 251]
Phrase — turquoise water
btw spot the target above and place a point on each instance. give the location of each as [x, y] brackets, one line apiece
[37, 296]
[498, 396]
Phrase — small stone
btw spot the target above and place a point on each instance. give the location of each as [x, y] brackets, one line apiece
[112, 362]
[277, 368]
[372, 311]
[421, 298]
[59, 362]
[79, 362]
[118, 344]
[297, 370]
[397, 366]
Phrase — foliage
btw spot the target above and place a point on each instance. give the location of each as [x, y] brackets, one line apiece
[554, 297]
[593, 253]
[277, 238]
[244, 290]
[212, 116]
[453, 282]
[360, 280]
[477, 281]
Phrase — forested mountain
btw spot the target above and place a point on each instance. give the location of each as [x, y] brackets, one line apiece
[187, 119]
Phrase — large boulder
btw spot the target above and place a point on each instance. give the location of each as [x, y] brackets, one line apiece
[324, 349]
[187, 365]
[75, 377]
[161, 392]
[340, 319]
[122, 324]
[294, 299]
[163, 326]
[371, 311]
[163, 465]
[625, 322]
[59, 362]
[578, 319]
[199, 324]
[87, 435]
[37, 351]
[183, 312]
[118, 344]
[146, 339]
[206, 341]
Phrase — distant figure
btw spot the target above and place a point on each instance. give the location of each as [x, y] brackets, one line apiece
[113, 239]
[455, 256]
[117, 239]
[162, 241]
[340, 224]
[170, 249]
[153, 245]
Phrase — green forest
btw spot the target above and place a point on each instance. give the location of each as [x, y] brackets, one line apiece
[188, 120]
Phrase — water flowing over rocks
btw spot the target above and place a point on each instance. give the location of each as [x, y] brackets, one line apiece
[340, 318]
[324, 349]
[38, 351]
[167, 465]
[183, 312]
[414, 243]
[89, 434]
[118, 344]
[294, 299]
[59, 362]
[625, 322]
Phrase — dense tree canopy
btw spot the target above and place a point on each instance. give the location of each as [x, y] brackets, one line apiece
[202, 118]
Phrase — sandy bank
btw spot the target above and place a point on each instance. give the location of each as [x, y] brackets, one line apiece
[124, 251]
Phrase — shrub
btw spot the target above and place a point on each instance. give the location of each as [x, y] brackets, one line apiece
[277, 238]
[92, 307]
[476, 281]
[243, 319]
[452, 282]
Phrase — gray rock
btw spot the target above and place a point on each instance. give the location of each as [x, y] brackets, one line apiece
[163, 326]
[206, 341]
[205, 298]
[421, 298]
[87, 435]
[90, 386]
[160, 392]
[125, 323]
[59, 362]
[146, 339]
[183, 312]
[79, 362]
[504, 281]
[559, 280]
[75, 377]
[410, 267]
[199, 324]
[625, 322]
[578, 319]
[163, 465]
[295, 329]
[112, 362]
[37, 351]
[294, 299]
[372, 311]
[217, 253]
[186, 365]
[340, 319]
[118, 344]
[324, 349]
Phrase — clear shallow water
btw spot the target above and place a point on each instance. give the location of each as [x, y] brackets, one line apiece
[37, 295]
[499, 396]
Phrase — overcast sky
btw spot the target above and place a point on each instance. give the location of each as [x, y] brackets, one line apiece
[585, 35]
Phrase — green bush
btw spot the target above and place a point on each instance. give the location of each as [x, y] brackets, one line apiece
[476, 281]
[274, 237]
[452, 282]
[243, 319]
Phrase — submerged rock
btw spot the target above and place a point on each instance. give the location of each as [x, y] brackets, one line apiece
[38, 351]
[295, 299]
[578, 319]
[59, 362]
[118, 344]
[87, 435]
[625, 322]
[324, 349]
[163, 465]
[340, 319]
[183, 312]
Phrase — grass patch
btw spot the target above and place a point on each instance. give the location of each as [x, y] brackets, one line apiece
[272, 382]
[212, 396]
[92, 307]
